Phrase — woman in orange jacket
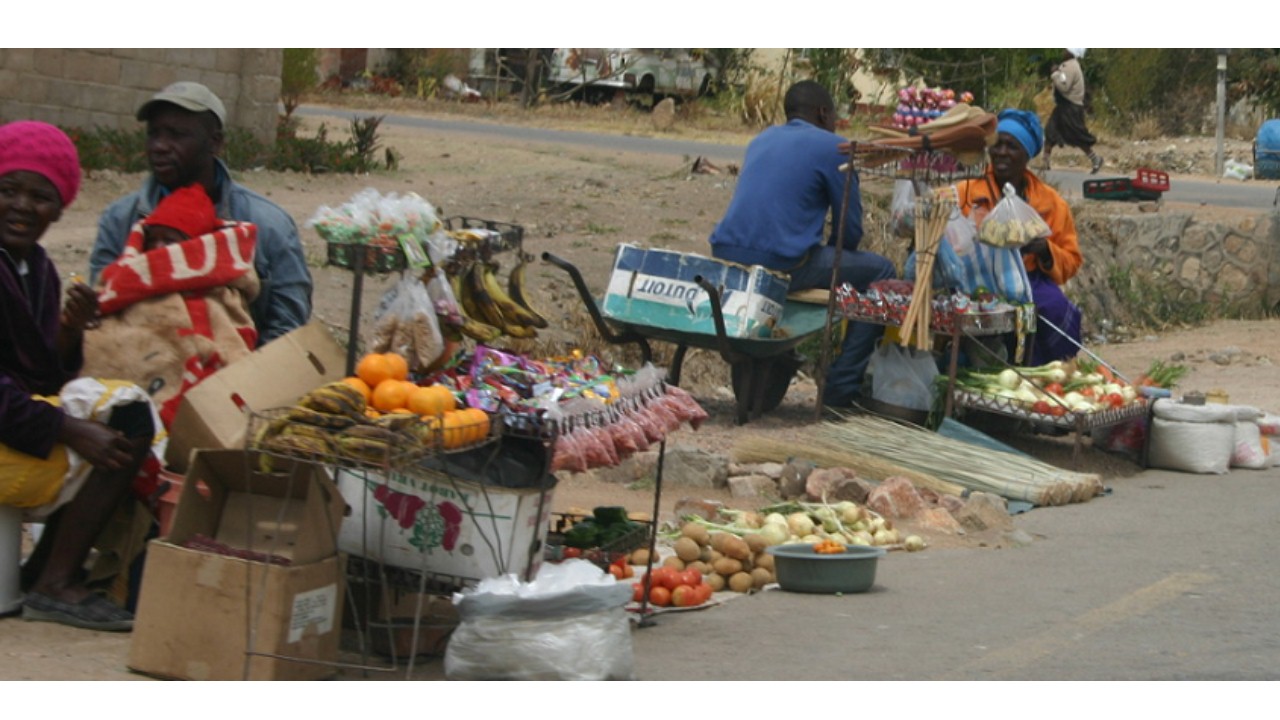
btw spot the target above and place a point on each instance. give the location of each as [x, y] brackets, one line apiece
[1050, 261]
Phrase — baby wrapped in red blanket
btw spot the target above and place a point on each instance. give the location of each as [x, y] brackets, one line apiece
[175, 305]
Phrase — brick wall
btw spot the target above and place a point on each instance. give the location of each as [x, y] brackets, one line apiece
[104, 87]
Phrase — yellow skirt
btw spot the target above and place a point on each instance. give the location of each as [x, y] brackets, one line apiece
[27, 481]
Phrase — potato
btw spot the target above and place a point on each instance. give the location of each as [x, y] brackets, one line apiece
[736, 548]
[727, 566]
[717, 582]
[640, 556]
[673, 561]
[718, 540]
[741, 582]
[760, 577]
[687, 549]
[756, 542]
[697, 533]
[764, 560]
[700, 566]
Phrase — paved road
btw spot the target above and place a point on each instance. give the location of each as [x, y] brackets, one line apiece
[1258, 195]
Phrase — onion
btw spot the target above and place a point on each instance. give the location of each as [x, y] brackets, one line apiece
[800, 523]
[1009, 378]
[913, 543]
[774, 533]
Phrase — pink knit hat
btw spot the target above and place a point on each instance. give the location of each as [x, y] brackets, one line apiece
[44, 149]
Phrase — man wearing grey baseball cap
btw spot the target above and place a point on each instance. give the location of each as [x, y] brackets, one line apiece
[185, 123]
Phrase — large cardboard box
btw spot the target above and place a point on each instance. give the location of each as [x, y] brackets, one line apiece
[200, 613]
[453, 531]
[657, 288]
[215, 413]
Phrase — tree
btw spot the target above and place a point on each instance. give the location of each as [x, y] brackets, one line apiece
[297, 77]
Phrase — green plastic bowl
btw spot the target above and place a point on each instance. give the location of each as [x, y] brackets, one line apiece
[799, 569]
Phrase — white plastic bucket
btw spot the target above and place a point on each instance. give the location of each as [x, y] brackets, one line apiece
[10, 558]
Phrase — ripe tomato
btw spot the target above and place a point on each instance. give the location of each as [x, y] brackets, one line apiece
[1054, 388]
[673, 579]
[660, 596]
[572, 552]
[704, 593]
[1041, 406]
[683, 596]
[1088, 392]
[637, 592]
[1057, 410]
[1114, 400]
[617, 572]
[691, 577]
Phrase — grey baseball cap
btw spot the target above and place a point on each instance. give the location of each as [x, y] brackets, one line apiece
[189, 96]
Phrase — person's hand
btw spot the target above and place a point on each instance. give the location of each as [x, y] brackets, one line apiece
[1040, 248]
[100, 446]
[80, 312]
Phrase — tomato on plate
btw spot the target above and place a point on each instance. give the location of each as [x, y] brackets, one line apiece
[637, 592]
[672, 579]
[618, 572]
[684, 596]
[572, 552]
[691, 577]
[660, 596]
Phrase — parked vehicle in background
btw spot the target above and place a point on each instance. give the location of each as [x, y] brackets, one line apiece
[601, 74]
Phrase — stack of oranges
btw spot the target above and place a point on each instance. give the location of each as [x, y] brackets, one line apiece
[383, 378]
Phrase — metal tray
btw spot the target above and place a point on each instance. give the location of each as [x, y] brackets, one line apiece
[1067, 421]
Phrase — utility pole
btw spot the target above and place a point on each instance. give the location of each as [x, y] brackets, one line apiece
[1219, 159]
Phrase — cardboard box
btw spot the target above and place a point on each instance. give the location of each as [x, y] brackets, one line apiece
[198, 609]
[215, 413]
[657, 288]
[498, 530]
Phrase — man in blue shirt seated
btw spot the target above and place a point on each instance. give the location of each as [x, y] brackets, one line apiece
[185, 124]
[790, 182]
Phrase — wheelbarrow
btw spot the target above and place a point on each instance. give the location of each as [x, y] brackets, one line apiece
[761, 368]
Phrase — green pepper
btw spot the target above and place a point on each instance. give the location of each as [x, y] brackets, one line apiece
[585, 534]
[610, 515]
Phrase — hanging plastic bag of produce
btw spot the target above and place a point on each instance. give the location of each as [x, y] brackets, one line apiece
[902, 210]
[903, 376]
[1012, 223]
[570, 623]
[406, 323]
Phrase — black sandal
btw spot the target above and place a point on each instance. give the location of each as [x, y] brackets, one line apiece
[94, 612]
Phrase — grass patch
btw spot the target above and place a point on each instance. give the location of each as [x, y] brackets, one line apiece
[663, 237]
[595, 229]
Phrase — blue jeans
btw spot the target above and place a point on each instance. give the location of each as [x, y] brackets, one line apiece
[858, 268]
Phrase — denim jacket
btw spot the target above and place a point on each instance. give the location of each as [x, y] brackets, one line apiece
[285, 300]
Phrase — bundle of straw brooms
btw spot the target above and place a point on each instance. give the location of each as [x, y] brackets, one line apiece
[879, 449]
[932, 211]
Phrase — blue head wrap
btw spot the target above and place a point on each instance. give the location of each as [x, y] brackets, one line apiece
[1025, 126]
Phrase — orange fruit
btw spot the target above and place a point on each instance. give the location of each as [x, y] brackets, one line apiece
[374, 368]
[432, 400]
[477, 424]
[399, 366]
[360, 385]
[392, 395]
[454, 429]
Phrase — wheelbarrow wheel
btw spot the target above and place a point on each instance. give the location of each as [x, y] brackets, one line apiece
[781, 371]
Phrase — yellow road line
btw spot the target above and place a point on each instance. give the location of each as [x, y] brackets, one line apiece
[1010, 659]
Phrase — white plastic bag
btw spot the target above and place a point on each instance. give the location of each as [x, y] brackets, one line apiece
[550, 629]
[1012, 223]
[903, 376]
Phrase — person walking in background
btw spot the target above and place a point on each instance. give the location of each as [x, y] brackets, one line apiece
[1066, 126]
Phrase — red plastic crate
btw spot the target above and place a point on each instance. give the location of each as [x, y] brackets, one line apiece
[1150, 180]
[1108, 189]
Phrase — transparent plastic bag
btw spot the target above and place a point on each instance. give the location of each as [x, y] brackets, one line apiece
[1012, 223]
[903, 376]
[902, 210]
[406, 324]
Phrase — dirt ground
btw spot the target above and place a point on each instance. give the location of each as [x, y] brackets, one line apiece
[579, 203]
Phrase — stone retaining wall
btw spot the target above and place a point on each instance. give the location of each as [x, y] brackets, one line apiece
[1180, 261]
[87, 88]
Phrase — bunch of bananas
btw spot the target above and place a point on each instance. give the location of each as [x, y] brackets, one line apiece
[330, 421]
[491, 310]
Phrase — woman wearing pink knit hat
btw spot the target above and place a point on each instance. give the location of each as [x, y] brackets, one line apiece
[58, 462]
